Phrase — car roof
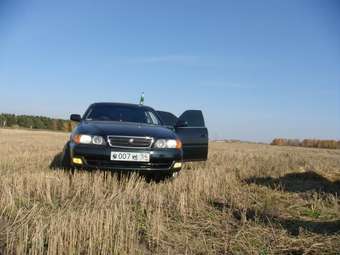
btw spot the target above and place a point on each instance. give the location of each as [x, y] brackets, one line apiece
[122, 104]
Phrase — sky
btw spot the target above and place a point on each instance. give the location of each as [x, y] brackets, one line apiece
[257, 69]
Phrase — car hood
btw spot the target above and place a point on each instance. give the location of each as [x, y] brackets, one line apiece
[105, 128]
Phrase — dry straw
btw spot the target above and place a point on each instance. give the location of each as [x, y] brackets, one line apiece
[246, 199]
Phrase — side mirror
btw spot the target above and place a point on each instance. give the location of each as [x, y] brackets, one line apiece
[75, 117]
[181, 123]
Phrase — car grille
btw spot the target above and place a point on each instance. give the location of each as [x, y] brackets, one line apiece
[130, 141]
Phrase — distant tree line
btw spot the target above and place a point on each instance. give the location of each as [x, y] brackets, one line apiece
[35, 122]
[310, 143]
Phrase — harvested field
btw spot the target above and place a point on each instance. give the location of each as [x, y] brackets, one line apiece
[246, 199]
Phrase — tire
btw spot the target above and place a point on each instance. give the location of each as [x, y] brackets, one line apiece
[175, 174]
[66, 158]
[166, 176]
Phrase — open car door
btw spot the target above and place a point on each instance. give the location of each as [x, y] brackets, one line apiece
[190, 128]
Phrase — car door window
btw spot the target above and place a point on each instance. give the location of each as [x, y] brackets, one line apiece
[194, 118]
[168, 118]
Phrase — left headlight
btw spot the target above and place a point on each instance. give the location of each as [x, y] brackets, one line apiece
[88, 139]
[168, 143]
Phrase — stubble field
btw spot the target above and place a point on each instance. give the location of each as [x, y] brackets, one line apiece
[246, 199]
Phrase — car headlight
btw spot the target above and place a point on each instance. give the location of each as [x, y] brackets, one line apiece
[88, 139]
[97, 140]
[168, 143]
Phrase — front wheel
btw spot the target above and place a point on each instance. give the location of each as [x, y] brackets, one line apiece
[66, 157]
[158, 177]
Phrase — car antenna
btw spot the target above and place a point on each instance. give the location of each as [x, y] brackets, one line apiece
[141, 101]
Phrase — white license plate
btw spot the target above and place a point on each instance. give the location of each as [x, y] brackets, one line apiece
[130, 156]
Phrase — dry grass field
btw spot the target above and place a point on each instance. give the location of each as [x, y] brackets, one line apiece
[246, 199]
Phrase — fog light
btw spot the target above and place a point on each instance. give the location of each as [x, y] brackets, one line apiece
[177, 165]
[77, 161]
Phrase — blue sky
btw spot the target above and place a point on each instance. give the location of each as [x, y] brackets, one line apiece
[258, 69]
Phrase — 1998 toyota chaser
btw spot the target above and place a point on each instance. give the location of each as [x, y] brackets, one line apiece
[131, 137]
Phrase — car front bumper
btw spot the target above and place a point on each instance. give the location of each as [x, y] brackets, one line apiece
[98, 157]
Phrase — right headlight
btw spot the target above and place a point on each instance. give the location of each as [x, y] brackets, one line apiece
[88, 139]
[168, 144]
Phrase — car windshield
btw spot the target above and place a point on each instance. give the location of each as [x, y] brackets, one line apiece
[121, 113]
